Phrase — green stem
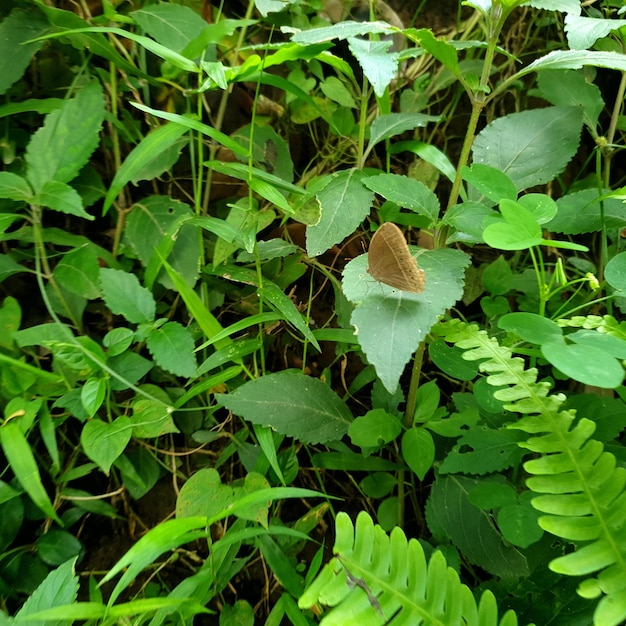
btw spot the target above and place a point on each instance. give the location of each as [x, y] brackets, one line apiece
[411, 402]
[221, 111]
[360, 163]
[45, 266]
[479, 100]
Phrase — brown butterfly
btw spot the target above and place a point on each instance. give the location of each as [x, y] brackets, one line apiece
[391, 262]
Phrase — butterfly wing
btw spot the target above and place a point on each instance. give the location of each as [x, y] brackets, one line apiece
[391, 262]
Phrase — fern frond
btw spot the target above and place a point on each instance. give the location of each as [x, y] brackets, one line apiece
[376, 579]
[605, 324]
[581, 490]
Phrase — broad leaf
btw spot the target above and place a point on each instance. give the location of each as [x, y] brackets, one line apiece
[15, 55]
[531, 147]
[103, 442]
[14, 187]
[172, 25]
[63, 145]
[172, 348]
[342, 30]
[582, 212]
[589, 364]
[450, 513]
[125, 296]
[158, 223]
[152, 417]
[61, 197]
[345, 204]
[292, 404]
[378, 64]
[418, 451]
[570, 88]
[60, 587]
[483, 450]
[78, 272]
[389, 323]
[374, 429]
[583, 32]
[405, 192]
[204, 494]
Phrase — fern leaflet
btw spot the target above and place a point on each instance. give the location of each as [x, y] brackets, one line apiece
[376, 579]
[581, 490]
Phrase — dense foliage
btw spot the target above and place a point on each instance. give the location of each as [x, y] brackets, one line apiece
[203, 387]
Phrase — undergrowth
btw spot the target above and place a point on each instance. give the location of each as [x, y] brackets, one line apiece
[206, 387]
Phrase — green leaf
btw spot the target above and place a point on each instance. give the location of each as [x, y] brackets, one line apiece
[418, 451]
[61, 197]
[57, 547]
[440, 48]
[17, 28]
[492, 495]
[531, 327]
[584, 212]
[103, 442]
[9, 266]
[588, 364]
[204, 494]
[490, 182]
[124, 295]
[287, 309]
[345, 203]
[78, 271]
[96, 44]
[142, 156]
[570, 88]
[406, 192]
[172, 348]
[292, 404]
[335, 90]
[92, 395]
[172, 25]
[207, 322]
[449, 512]
[391, 124]
[343, 30]
[583, 32]
[14, 187]
[518, 523]
[575, 59]
[375, 578]
[10, 320]
[483, 450]
[531, 147]
[389, 323]
[68, 137]
[430, 154]
[177, 60]
[449, 359]
[189, 122]
[379, 65]
[60, 587]
[21, 460]
[159, 225]
[518, 230]
[152, 417]
[374, 429]
[615, 273]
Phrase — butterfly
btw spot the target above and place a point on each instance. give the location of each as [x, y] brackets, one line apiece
[391, 262]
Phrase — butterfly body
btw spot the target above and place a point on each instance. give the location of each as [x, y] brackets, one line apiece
[391, 262]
